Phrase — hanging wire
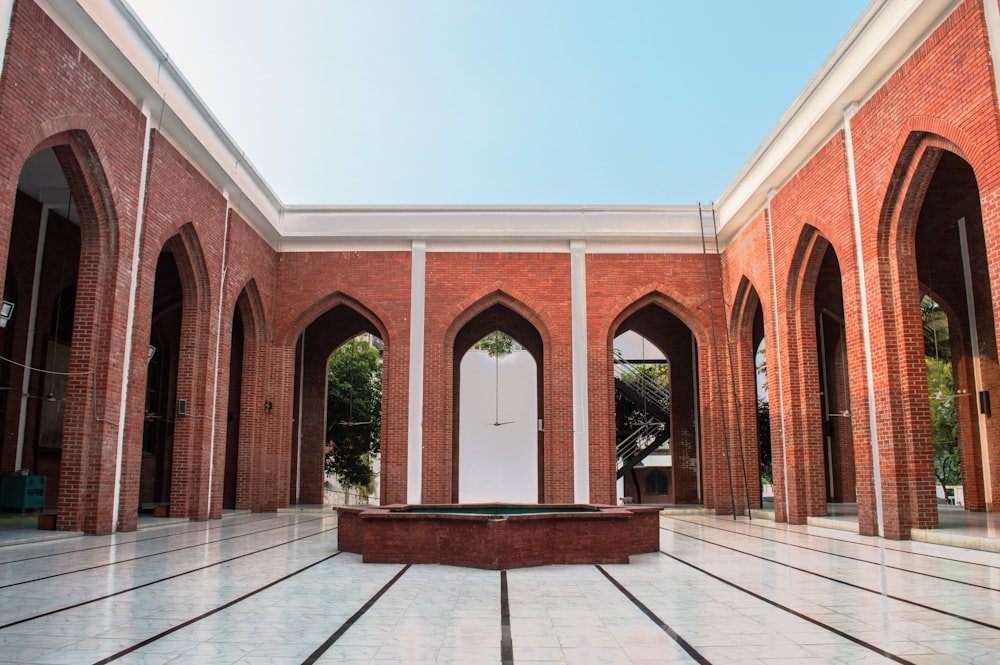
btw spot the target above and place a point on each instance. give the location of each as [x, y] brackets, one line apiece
[732, 375]
[715, 356]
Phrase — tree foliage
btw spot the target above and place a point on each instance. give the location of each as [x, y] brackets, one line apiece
[496, 344]
[353, 411]
[944, 422]
[936, 338]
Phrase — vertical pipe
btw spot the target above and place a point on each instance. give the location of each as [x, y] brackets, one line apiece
[218, 351]
[863, 302]
[977, 372]
[29, 352]
[140, 218]
[718, 369]
[777, 346]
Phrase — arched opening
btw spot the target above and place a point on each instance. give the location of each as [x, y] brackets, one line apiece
[233, 408]
[498, 396]
[955, 302]
[642, 418]
[353, 421]
[834, 392]
[752, 391]
[37, 322]
[333, 416]
[656, 408]
[162, 406]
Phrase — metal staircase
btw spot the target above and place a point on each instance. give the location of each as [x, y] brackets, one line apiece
[653, 400]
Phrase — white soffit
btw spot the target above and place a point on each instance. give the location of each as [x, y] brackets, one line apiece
[877, 44]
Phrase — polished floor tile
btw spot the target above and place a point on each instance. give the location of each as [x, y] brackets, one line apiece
[255, 589]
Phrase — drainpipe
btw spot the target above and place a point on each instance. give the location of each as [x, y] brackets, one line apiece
[777, 343]
[140, 218]
[29, 352]
[218, 350]
[865, 325]
[977, 372]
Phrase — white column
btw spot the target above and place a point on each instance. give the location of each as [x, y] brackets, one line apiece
[863, 302]
[581, 422]
[130, 321]
[415, 431]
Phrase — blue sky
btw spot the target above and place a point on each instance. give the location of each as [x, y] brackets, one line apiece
[498, 101]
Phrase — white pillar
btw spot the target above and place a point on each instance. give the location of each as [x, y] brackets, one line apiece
[415, 432]
[581, 426]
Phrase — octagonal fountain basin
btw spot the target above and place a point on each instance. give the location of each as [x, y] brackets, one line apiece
[497, 536]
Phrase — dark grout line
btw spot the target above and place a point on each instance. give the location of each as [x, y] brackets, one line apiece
[162, 579]
[117, 543]
[321, 649]
[506, 643]
[168, 631]
[836, 554]
[839, 581]
[147, 556]
[816, 622]
[661, 624]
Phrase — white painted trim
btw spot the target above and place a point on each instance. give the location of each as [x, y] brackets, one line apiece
[977, 371]
[777, 344]
[140, 219]
[29, 352]
[415, 432]
[852, 184]
[581, 419]
[881, 40]
[112, 36]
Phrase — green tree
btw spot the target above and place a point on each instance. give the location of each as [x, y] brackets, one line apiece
[353, 411]
[944, 422]
[496, 344]
[936, 339]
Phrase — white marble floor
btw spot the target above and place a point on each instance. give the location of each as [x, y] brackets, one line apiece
[273, 589]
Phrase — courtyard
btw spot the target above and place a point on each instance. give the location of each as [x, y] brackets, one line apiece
[272, 588]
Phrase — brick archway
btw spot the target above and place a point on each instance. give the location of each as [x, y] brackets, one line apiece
[933, 228]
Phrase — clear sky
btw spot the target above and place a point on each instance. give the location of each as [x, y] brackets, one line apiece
[498, 101]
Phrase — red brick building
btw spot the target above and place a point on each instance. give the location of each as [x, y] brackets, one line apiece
[176, 316]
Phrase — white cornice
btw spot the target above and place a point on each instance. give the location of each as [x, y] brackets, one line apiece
[117, 41]
[110, 33]
[876, 45]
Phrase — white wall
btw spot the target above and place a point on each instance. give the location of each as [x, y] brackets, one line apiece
[498, 463]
